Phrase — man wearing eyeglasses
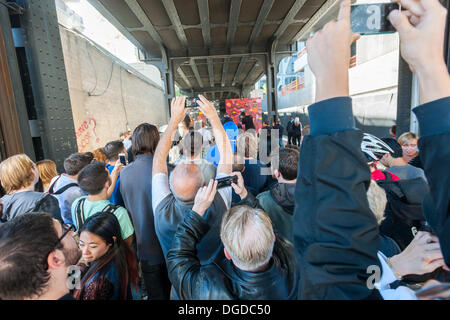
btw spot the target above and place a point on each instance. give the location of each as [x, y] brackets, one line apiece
[36, 252]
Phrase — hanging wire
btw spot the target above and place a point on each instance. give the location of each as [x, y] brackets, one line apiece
[107, 86]
[123, 100]
[93, 67]
[91, 92]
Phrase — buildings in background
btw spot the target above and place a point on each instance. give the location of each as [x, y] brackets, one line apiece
[373, 76]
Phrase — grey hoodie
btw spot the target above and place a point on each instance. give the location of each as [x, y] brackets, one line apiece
[29, 201]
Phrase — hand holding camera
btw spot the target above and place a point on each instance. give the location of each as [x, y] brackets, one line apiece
[118, 166]
[207, 108]
[423, 255]
[239, 186]
[421, 29]
[177, 110]
[329, 55]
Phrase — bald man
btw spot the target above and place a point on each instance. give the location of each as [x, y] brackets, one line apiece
[173, 198]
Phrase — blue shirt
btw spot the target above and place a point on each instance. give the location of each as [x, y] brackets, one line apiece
[116, 197]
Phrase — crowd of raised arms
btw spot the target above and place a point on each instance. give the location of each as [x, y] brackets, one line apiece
[225, 212]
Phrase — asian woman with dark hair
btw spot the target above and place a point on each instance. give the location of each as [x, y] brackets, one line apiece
[112, 272]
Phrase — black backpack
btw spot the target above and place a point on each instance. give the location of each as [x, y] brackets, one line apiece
[403, 213]
[51, 190]
[79, 212]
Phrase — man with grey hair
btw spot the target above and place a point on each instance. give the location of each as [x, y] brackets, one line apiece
[253, 265]
[173, 198]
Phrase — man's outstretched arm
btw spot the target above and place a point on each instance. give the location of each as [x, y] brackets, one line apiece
[178, 111]
[335, 233]
[223, 143]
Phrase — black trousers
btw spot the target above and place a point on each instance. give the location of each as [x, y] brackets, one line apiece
[296, 140]
[156, 281]
[290, 140]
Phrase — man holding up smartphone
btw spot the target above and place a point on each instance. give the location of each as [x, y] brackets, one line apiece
[173, 197]
[335, 233]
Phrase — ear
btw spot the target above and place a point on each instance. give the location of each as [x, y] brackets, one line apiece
[277, 173]
[227, 255]
[56, 260]
[114, 239]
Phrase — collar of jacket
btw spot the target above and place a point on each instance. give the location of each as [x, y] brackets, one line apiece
[144, 157]
[245, 278]
[284, 196]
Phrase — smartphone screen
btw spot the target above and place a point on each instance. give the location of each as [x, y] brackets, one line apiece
[123, 159]
[372, 18]
[191, 103]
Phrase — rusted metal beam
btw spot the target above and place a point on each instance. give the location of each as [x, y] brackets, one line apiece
[9, 123]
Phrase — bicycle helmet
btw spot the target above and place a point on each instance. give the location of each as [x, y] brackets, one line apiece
[374, 148]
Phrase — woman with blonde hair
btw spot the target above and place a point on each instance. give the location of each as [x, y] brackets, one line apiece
[18, 176]
[408, 141]
[47, 171]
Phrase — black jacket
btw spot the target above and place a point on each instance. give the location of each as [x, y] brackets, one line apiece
[336, 234]
[248, 122]
[403, 209]
[221, 279]
[289, 126]
[434, 123]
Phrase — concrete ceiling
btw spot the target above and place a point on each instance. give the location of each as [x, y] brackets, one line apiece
[217, 44]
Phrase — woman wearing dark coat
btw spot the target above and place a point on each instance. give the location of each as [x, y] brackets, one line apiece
[296, 132]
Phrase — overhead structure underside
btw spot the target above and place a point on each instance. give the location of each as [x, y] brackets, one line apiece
[216, 47]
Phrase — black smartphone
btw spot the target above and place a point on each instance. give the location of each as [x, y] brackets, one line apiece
[123, 159]
[191, 103]
[226, 181]
[372, 18]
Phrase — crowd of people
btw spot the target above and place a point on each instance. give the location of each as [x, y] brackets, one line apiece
[215, 213]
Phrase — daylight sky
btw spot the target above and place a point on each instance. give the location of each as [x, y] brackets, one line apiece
[104, 33]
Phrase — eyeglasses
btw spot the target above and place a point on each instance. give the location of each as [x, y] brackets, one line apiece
[67, 227]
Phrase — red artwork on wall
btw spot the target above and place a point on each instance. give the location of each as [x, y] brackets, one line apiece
[251, 106]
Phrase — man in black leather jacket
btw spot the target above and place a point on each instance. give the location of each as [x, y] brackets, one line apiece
[254, 264]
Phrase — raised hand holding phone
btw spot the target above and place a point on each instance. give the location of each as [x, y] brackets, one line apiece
[372, 18]
[329, 55]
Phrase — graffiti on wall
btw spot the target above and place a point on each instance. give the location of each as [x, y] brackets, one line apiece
[86, 134]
